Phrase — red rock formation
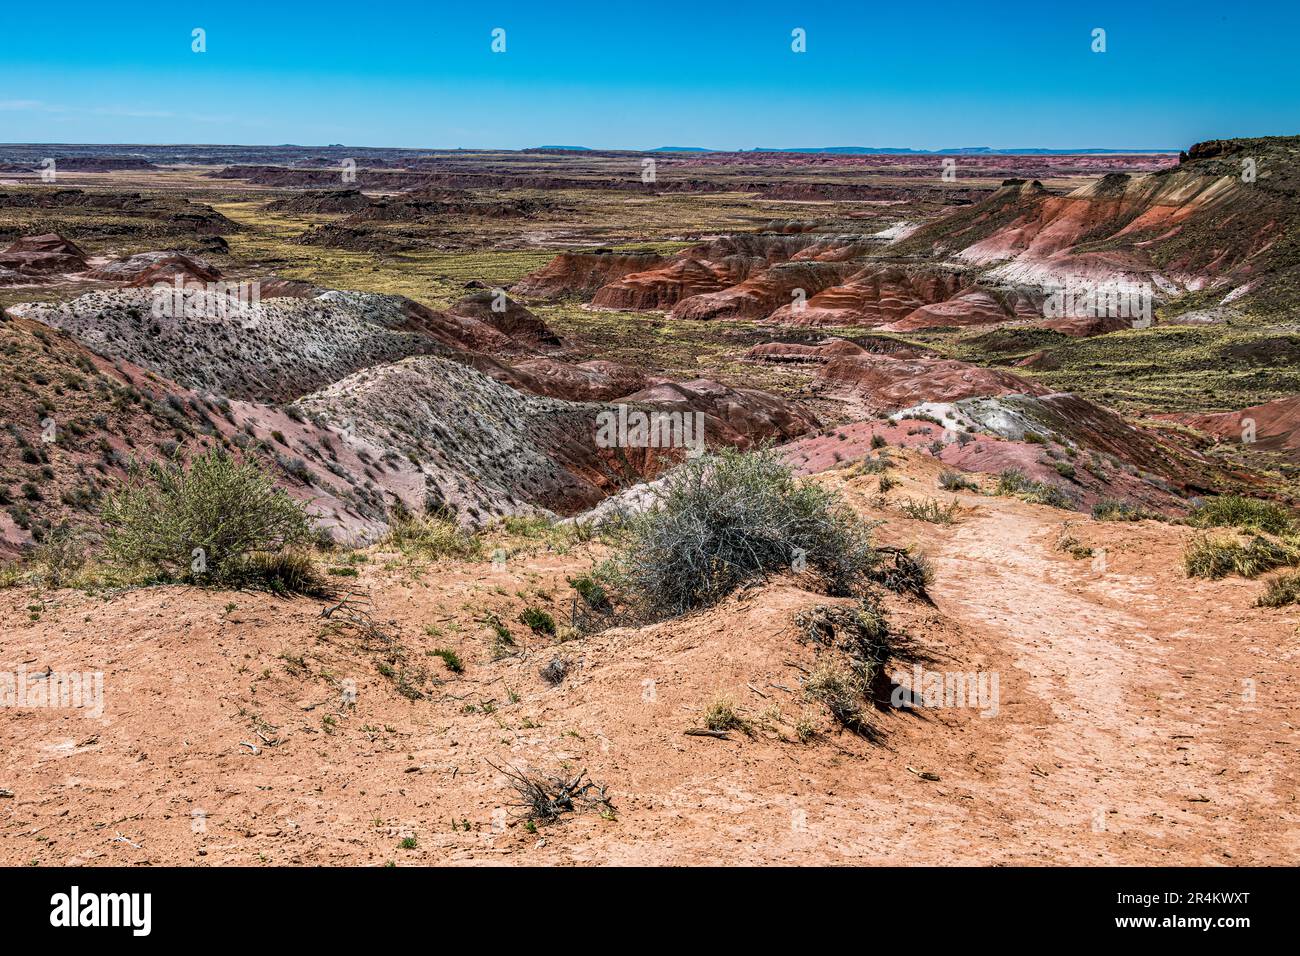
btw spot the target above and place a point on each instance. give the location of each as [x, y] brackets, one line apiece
[582, 273]
[33, 257]
[146, 268]
[874, 296]
[763, 292]
[737, 416]
[664, 287]
[1272, 426]
[891, 382]
[513, 320]
[974, 306]
[798, 352]
[596, 381]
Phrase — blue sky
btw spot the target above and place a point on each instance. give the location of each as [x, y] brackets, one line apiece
[638, 75]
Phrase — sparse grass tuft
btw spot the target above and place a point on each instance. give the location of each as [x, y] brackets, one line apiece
[538, 621]
[930, 510]
[1113, 509]
[450, 658]
[1246, 514]
[1281, 591]
[843, 690]
[1217, 557]
[1013, 481]
[723, 716]
[956, 481]
[723, 520]
[430, 537]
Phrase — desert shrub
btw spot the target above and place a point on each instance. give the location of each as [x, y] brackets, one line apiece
[430, 537]
[592, 592]
[879, 441]
[885, 483]
[723, 520]
[1281, 591]
[930, 510]
[544, 797]
[60, 556]
[843, 690]
[281, 572]
[723, 716]
[1217, 557]
[1073, 547]
[1248, 514]
[537, 620]
[903, 572]
[450, 658]
[875, 466]
[956, 481]
[165, 515]
[1113, 509]
[1013, 481]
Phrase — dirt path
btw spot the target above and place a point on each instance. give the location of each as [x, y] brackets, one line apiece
[1141, 741]
[1125, 731]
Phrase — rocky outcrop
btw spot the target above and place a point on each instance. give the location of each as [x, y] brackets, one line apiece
[877, 295]
[146, 268]
[33, 258]
[276, 350]
[891, 382]
[764, 292]
[741, 417]
[582, 273]
[595, 381]
[494, 308]
[321, 201]
[446, 438]
[1271, 427]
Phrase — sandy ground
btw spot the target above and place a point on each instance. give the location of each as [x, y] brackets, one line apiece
[1142, 718]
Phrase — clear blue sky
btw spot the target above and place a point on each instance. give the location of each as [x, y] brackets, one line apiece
[632, 74]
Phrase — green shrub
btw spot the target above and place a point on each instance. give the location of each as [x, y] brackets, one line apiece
[592, 592]
[60, 556]
[538, 621]
[956, 481]
[879, 441]
[723, 520]
[1281, 591]
[450, 658]
[1248, 514]
[1113, 509]
[204, 522]
[1217, 557]
[930, 510]
[1013, 481]
[430, 537]
[281, 572]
